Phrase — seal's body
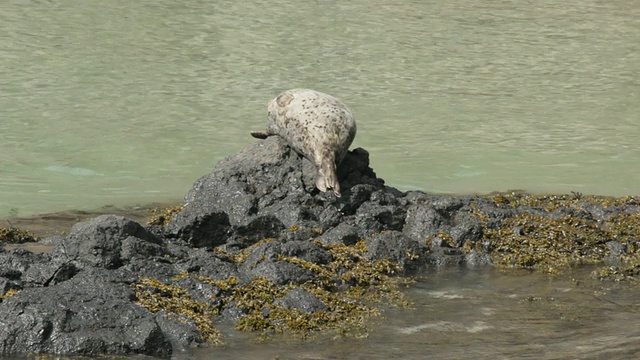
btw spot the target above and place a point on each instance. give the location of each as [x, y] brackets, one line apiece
[317, 126]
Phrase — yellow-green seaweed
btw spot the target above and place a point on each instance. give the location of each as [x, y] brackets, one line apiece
[9, 293]
[156, 296]
[351, 286]
[164, 216]
[16, 235]
[550, 244]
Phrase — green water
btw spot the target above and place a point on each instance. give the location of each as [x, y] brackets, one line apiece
[123, 102]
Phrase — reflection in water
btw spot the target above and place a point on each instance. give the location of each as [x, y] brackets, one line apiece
[450, 96]
[460, 314]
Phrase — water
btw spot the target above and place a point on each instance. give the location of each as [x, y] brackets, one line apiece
[120, 102]
[461, 314]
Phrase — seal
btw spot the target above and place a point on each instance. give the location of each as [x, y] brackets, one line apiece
[317, 126]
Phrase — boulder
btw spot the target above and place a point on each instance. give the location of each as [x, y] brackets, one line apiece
[91, 314]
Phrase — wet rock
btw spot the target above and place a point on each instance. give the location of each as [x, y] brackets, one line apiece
[467, 229]
[207, 229]
[441, 256]
[423, 222]
[263, 190]
[616, 251]
[181, 335]
[204, 262]
[36, 269]
[232, 312]
[344, 233]
[301, 299]
[279, 272]
[476, 259]
[91, 314]
[98, 242]
[394, 246]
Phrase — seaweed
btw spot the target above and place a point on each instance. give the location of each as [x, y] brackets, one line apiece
[351, 286]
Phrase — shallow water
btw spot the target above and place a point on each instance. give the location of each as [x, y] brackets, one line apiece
[120, 102]
[482, 314]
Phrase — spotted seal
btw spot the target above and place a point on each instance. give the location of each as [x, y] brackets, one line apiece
[317, 126]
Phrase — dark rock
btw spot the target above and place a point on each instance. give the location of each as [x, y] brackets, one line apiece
[199, 290]
[7, 284]
[90, 314]
[444, 257]
[259, 228]
[343, 233]
[233, 312]
[298, 298]
[390, 217]
[279, 272]
[132, 248]
[266, 264]
[34, 269]
[98, 242]
[307, 251]
[423, 222]
[300, 249]
[269, 179]
[475, 259]
[180, 334]
[394, 246]
[209, 229]
[205, 263]
[468, 229]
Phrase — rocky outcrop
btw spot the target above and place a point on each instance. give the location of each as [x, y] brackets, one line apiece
[114, 286]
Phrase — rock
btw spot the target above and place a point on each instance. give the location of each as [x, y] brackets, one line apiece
[263, 190]
[423, 222]
[265, 261]
[204, 262]
[91, 314]
[301, 299]
[394, 246]
[181, 335]
[475, 259]
[343, 233]
[209, 229]
[98, 242]
[35, 269]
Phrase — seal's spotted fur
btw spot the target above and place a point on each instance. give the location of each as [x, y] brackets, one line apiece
[316, 125]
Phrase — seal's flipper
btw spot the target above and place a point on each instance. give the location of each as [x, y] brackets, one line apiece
[260, 134]
[327, 176]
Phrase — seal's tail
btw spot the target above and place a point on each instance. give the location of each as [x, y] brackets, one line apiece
[327, 175]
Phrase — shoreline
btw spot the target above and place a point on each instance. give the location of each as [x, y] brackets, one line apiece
[60, 222]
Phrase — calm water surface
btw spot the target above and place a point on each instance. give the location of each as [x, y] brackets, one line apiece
[121, 102]
[461, 314]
